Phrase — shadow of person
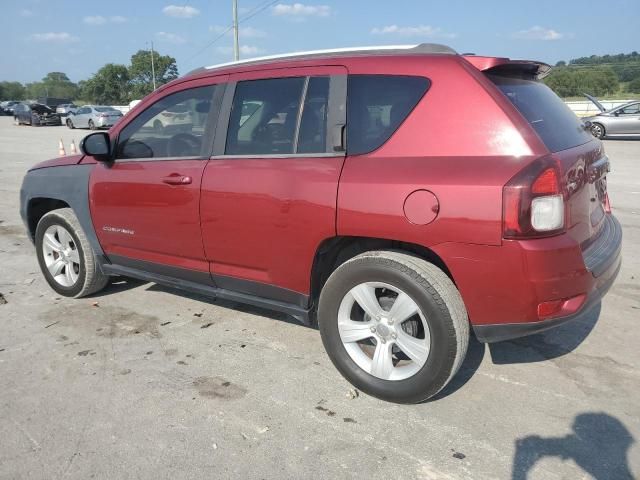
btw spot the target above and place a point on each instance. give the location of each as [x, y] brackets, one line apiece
[598, 445]
[546, 345]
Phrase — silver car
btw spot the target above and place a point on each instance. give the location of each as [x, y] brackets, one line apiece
[94, 117]
[619, 121]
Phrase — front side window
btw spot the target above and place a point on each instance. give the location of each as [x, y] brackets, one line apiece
[377, 105]
[630, 110]
[172, 127]
[264, 116]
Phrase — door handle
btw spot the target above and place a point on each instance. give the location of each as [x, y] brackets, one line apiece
[177, 179]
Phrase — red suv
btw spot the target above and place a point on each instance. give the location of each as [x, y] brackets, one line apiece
[399, 197]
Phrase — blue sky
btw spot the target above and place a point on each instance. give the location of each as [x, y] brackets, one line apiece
[78, 37]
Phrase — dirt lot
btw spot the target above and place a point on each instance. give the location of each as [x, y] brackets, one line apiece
[151, 383]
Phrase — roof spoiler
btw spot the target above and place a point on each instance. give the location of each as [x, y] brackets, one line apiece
[500, 65]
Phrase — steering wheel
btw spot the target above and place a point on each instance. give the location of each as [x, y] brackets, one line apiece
[183, 145]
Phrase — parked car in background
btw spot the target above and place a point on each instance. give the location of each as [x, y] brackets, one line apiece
[6, 108]
[93, 117]
[35, 114]
[65, 109]
[177, 118]
[341, 187]
[623, 120]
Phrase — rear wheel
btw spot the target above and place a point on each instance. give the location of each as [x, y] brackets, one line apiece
[70, 124]
[16, 121]
[157, 126]
[597, 130]
[394, 325]
[65, 256]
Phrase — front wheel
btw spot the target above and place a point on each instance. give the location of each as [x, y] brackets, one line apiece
[16, 121]
[65, 255]
[394, 325]
[70, 124]
[92, 125]
[597, 130]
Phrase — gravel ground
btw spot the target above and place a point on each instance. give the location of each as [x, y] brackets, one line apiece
[144, 382]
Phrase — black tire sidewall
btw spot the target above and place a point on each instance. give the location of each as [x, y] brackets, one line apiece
[45, 223]
[436, 371]
[602, 130]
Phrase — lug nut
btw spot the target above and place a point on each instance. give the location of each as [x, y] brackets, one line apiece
[373, 329]
[394, 335]
[383, 340]
[390, 321]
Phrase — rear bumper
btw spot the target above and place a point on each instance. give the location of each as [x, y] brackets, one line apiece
[502, 286]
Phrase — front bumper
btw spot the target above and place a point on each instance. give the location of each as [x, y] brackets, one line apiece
[602, 260]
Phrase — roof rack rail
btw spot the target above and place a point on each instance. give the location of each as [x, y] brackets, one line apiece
[423, 48]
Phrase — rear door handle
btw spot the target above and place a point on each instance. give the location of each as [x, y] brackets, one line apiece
[177, 179]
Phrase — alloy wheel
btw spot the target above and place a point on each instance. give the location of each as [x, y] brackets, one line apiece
[384, 331]
[61, 255]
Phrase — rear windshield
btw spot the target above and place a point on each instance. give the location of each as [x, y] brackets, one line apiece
[555, 123]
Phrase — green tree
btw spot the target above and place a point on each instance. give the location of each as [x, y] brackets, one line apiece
[109, 85]
[141, 76]
[54, 84]
[571, 82]
[634, 86]
[12, 91]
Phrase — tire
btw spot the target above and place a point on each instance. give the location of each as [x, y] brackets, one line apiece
[76, 279]
[598, 130]
[92, 126]
[440, 310]
[157, 126]
[70, 124]
[16, 121]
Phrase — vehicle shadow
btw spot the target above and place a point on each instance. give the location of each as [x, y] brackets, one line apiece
[599, 445]
[629, 138]
[470, 364]
[117, 285]
[546, 345]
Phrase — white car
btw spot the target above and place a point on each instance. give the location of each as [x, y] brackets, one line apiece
[93, 117]
[177, 118]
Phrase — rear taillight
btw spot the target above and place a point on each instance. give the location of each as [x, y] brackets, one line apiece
[533, 203]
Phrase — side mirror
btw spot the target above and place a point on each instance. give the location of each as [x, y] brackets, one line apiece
[617, 114]
[97, 145]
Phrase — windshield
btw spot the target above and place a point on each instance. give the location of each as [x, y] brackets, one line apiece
[556, 125]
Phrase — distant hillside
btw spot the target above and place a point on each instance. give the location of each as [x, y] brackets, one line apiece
[600, 75]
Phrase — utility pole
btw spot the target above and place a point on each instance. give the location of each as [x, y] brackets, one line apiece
[236, 49]
[153, 68]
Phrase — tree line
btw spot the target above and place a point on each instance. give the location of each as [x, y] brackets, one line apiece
[113, 84]
[597, 75]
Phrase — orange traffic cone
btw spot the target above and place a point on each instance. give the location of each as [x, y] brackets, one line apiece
[61, 151]
[72, 149]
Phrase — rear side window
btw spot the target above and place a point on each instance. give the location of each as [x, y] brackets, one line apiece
[556, 125]
[264, 116]
[377, 105]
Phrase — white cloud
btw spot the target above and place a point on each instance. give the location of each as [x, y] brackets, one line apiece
[245, 32]
[171, 38]
[539, 33]
[94, 20]
[25, 12]
[118, 19]
[413, 31]
[299, 10]
[59, 37]
[180, 12]
[245, 50]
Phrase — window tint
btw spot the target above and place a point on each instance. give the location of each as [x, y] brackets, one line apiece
[313, 125]
[172, 127]
[554, 122]
[376, 106]
[264, 116]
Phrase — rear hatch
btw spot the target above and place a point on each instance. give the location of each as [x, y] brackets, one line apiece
[581, 157]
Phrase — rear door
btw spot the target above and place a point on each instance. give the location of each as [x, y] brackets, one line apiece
[269, 192]
[80, 119]
[146, 205]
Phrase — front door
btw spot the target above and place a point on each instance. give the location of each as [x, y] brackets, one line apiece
[145, 205]
[269, 192]
[628, 120]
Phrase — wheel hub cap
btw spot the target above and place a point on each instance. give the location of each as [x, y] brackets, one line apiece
[61, 255]
[373, 322]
